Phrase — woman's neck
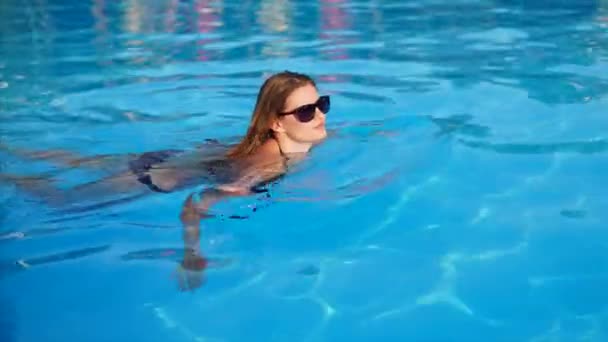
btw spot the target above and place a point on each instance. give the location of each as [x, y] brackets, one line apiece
[287, 145]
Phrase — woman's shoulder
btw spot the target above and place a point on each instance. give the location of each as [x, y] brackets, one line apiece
[268, 149]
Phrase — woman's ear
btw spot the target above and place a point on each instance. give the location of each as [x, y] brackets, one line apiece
[277, 126]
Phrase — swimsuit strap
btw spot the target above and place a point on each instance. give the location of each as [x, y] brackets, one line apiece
[280, 149]
[285, 157]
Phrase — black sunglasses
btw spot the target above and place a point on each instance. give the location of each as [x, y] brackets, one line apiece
[307, 112]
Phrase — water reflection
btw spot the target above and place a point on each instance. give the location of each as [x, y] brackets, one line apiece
[335, 32]
[171, 16]
[208, 20]
[274, 15]
[506, 39]
[134, 16]
[335, 22]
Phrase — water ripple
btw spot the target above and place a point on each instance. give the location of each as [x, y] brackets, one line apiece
[585, 147]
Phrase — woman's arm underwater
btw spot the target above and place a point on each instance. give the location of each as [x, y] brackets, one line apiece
[194, 210]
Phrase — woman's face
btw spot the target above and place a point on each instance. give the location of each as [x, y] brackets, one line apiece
[305, 122]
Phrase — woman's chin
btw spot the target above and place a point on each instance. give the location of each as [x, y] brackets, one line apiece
[322, 134]
[314, 137]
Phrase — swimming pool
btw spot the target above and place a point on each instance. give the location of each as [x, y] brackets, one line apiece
[461, 198]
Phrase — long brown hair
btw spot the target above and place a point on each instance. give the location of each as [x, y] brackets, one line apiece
[270, 102]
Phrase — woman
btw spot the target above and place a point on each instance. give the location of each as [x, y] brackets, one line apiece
[288, 119]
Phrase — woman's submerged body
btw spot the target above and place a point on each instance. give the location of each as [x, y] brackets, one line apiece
[288, 120]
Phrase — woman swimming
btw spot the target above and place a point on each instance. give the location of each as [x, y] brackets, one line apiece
[288, 119]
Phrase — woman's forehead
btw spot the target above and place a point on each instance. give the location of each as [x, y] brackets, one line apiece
[302, 95]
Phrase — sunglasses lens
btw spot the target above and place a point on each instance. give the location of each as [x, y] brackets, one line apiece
[306, 113]
[324, 104]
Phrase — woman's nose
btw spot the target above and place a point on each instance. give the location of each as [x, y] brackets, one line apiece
[320, 114]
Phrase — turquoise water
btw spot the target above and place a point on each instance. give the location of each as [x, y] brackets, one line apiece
[462, 196]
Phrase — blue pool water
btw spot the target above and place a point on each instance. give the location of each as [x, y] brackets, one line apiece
[461, 198]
